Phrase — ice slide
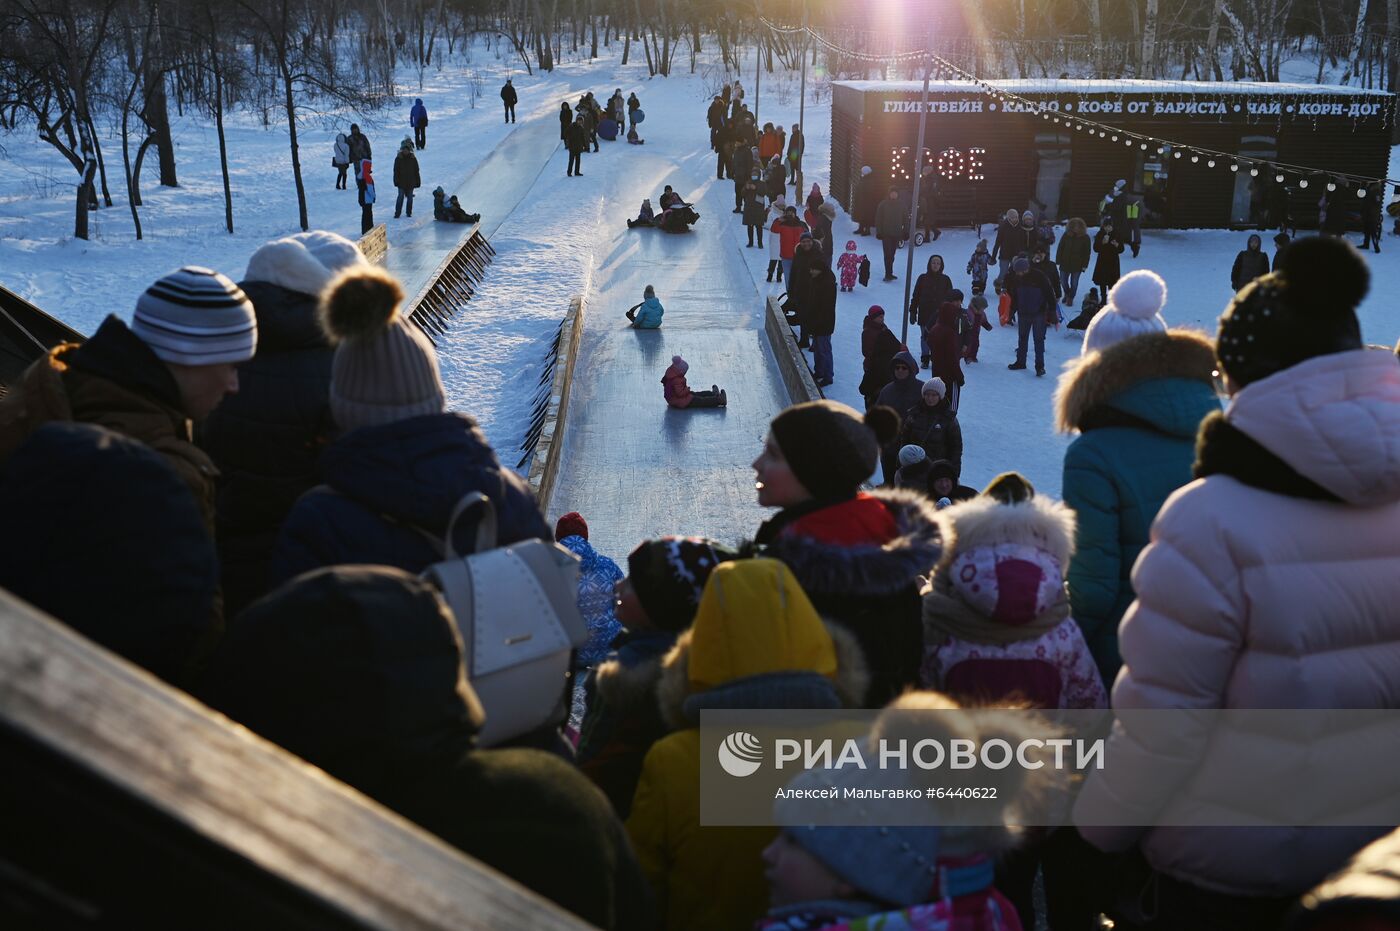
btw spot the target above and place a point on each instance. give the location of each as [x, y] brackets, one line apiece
[633, 466]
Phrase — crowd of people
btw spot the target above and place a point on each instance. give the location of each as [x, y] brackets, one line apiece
[581, 126]
[254, 476]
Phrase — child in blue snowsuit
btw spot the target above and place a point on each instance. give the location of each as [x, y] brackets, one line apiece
[647, 314]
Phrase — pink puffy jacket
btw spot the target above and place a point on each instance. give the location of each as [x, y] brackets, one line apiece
[1251, 599]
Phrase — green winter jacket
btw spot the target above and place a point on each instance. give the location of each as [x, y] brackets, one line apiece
[1072, 254]
[1136, 406]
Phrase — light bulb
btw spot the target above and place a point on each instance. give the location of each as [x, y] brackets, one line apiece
[1278, 179]
[1144, 147]
[1177, 154]
[1303, 183]
[1234, 167]
[1254, 172]
[1197, 158]
[1161, 150]
[1210, 163]
[1331, 186]
[1115, 138]
[1361, 192]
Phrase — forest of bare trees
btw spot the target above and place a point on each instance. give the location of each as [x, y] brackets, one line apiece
[75, 72]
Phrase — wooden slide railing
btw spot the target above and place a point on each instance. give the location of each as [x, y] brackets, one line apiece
[126, 803]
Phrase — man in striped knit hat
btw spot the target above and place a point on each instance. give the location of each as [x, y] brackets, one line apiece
[152, 380]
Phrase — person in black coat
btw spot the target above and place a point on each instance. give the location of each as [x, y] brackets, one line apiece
[1010, 242]
[407, 178]
[267, 439]
[403, 462]
[824, 233]
[716, 119]
[566, 119]
[576, 138]
[930, 291]
[1251, 262]
[819, 318]
[359, 671]
[741, 170]
[509, 98]
[878, 345]
[754, 212]
[933, 426]
[103, 534]
[359, 151]
[1108, 266]
[807, 254]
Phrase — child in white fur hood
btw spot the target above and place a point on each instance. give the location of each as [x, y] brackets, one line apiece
[996, 615]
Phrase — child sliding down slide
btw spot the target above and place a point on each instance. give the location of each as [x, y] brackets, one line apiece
[678, 393]
[651, 311]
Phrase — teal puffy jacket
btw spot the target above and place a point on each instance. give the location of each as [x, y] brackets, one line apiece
[1136, 405]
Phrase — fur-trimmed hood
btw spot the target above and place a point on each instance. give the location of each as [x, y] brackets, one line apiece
[625, 685]
[1163, 379]
[867, 569]
[680, 707]
[1040, 522]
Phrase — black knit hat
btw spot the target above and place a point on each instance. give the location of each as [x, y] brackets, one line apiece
[1307, 308]
[830, 447]
[669, 574]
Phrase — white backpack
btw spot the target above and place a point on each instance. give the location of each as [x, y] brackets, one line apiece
[517, 609]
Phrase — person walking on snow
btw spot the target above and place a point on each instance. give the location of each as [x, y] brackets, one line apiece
[878, 345]
[406, 177]
[849, 266]
[340, 158]
[566, 119]
[819, 319]
[1032, 303]
[796, 146]
[418, 119]
[359, 151]
[576, 139]
[889, 229]
[366, 197]
[1250, 263]
[930, 291]
[509, 98]
[1108, 268]
[1072, 256]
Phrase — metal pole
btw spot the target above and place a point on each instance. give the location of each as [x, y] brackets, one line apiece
[914, 205]
[802, 103]
[758, 77]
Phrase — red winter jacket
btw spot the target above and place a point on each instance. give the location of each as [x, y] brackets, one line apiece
[943, 346]
[863, 519]
[789, 231]
[674, 387]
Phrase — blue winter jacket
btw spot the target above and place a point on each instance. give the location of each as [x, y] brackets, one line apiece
[419, 113]
[596, 578]
[383, 482]
[1137, 406]
[649, 314]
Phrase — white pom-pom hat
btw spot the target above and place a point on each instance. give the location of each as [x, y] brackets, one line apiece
[1134, 307]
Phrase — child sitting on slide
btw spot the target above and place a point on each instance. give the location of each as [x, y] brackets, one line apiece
[450, 210]
[646, 315]
[678, 393]
[633, 138]
[645, 216]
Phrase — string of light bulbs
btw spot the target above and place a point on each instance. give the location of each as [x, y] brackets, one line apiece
[1114, 134]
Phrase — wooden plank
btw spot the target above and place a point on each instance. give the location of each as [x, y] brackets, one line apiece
[544, 465]
[792, 364]
[375, 244]
[224, 786]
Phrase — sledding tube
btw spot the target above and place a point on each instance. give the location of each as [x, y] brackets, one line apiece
[607, 129]
[638, 116]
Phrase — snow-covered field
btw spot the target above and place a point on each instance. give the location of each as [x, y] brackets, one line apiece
[548, 248]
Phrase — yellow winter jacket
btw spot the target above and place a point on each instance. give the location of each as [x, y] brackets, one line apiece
[757, 633]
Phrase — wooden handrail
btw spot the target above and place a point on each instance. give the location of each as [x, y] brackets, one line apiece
[217, 797]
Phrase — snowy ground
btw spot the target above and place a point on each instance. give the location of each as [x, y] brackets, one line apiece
[555, 243]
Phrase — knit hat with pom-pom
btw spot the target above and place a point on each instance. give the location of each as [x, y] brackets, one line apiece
[1307, 308]
[830, 447]
[680, 365]
[1134, 308]
[385, 370]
